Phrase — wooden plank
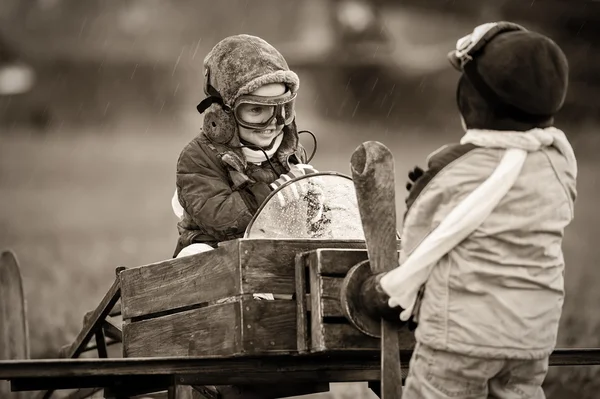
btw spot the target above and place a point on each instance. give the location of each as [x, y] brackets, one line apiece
[115, 311]
[330, 296]
[241, 327]
[345, 337]
[208, 331]
[14, 334]
[177, 283]
[342, 336]
[268, 265]
[268, 326]
[112, 329]
[265, 365]
[340, 261]
[316, 310]
[303, 336]
[347, 366]
[331, 307]
[283, 369]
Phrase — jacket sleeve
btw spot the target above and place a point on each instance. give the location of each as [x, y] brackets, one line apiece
[464, 205]
[204, 191]
[447, 180]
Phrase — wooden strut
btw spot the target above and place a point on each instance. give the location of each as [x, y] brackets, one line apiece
[97, 324]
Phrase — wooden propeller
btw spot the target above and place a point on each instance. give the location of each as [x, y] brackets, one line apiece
[372, 167]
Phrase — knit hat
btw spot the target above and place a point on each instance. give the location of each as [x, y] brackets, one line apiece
[521, 74]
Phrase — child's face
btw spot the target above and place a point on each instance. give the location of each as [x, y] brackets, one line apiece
[261, 137]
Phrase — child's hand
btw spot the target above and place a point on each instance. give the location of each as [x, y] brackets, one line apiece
[376, 300]
[295, 171]
[414, 175]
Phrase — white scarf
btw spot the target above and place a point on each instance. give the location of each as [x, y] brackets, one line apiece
[403, 283]
[257, 156]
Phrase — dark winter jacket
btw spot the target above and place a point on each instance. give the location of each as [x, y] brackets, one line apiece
[220, 192]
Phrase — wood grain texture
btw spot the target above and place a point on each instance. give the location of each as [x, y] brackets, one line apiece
[269, 265]
[268, 326]
[244, 326]
[347, 366]
[241, 267]
[337, 262]
[302, 321]
[372, 166]
[14, 335]
[317, 337]
[210, 331]
[351, 304]
[328, 329]
[177, 283]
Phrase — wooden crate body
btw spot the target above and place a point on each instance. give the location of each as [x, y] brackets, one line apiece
[321, 324]
[203, 305]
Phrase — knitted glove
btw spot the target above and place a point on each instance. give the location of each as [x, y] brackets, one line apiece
[414, 175]
[296, 190]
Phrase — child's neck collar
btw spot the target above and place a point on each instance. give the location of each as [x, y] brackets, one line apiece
[257, 156]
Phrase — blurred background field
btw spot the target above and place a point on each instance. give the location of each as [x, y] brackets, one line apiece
[87, 155]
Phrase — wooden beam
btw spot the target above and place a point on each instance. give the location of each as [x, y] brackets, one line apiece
[112, 329]
[95, 321]
[101, 343]
[327, 367]
[258, 365]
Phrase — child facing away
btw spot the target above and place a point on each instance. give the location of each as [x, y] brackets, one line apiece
[481, 263]
[248, 145]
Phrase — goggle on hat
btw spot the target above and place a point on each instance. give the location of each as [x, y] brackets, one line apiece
[251, 111]
[464, 59]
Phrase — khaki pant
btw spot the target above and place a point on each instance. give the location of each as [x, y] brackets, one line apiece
[437, 374]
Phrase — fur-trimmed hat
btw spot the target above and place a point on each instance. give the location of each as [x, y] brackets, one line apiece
[240, 64]
[523, 69]
[236, 66]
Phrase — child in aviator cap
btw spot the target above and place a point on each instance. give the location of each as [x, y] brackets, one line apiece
[481, 264]
[248, 145]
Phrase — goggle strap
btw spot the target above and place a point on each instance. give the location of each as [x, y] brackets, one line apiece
[213, 98]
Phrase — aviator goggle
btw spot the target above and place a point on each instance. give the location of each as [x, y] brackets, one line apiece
[464, 59]
[468, 46]
[254, 112]
[258, 112]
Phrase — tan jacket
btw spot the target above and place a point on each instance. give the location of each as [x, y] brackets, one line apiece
[499, 293]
